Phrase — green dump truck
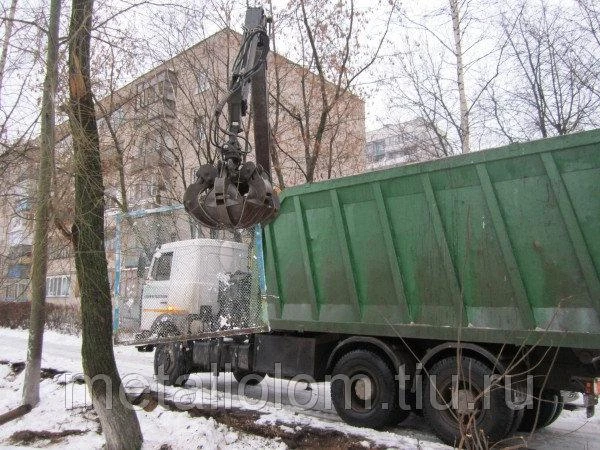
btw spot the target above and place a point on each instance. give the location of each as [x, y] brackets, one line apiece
[465, 289]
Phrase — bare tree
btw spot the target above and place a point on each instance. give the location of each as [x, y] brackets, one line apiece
[9, 22]
[119, 424]
[31, 384]
[315, 102]
[558, 77]
[591, 16]
[446, 61]
[464, 130]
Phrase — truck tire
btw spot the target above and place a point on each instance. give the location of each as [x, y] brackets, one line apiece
[364, 391]
[253, 379]
[172, 362]
[442, 403]
[559, 409]
[548, 407]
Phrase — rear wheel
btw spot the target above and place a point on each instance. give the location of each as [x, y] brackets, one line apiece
[364, 391]
[461, 406]
[247, 377]
[172, 364]
[559, 409]
[543, 411]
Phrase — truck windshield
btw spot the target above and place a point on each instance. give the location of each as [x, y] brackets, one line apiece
[161, 269]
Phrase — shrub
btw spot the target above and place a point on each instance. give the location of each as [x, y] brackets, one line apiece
[63, 318]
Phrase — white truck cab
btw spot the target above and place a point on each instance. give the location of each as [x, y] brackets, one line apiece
[181, 292]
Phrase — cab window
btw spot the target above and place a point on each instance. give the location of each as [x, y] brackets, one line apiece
[161, 269]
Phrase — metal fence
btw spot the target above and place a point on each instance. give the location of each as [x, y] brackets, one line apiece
[175, 280]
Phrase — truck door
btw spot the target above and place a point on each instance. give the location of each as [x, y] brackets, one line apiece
[155, 294]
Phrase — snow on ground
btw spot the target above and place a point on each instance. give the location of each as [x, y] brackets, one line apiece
[288, 405]
[67, 407]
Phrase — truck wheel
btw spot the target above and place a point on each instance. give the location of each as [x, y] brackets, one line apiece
[454, 403]
[253, 378]
[172, 364]
[364, 391]
[559, 408]
[547, 404]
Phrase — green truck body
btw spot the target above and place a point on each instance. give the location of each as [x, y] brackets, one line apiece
[497, 246]
[464, 289]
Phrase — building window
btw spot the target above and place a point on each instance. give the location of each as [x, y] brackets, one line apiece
[17, 231]
[379, 149]
[110, 240]
[58, 286]
[376, 150]
[117, 117]
[201, 82]
[15, 291]
[193, 175]
[199, 129]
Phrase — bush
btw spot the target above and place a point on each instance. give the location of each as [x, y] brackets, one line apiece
[66, 319]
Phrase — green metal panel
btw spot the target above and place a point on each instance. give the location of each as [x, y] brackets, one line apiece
[495, 246]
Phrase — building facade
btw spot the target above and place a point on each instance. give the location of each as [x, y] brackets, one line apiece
[401, 143]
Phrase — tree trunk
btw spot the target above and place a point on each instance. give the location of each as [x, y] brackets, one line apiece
[31, 383]
[5, 44]
[119, 423]
[460, 78]
[13, 414]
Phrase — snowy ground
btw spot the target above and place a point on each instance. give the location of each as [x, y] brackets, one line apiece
[284, 409]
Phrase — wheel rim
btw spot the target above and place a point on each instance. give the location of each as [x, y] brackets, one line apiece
[461, 402]
[363, 391]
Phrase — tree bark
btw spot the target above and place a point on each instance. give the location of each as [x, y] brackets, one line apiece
[460, 78]
[31, 383]
[119, 423]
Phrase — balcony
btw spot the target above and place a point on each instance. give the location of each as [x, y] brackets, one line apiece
[155, 98]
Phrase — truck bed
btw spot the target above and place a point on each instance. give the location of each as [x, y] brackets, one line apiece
[501, 246]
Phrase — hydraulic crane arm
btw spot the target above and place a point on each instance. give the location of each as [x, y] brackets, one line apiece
[237, 193]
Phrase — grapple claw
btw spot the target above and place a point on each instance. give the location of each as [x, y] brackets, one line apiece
[221, 201]
[236, 195]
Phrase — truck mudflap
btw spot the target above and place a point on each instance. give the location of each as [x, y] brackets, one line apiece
[589, 402]
[591, 392]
